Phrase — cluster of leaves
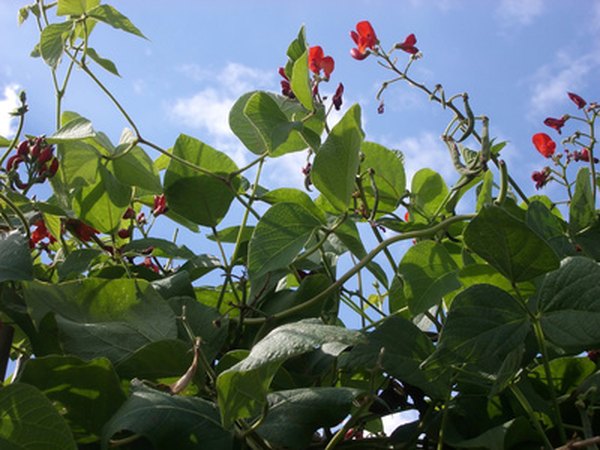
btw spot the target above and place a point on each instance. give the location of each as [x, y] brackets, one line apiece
[482, 322]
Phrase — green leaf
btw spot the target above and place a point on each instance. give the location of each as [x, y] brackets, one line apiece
[74, 130]
[105, 63]
[202, 198]
[88, 392]
[112, 17]
[30, 422]
[102, 205]
[77, 262]
[291, 195]
[336, 163]
[499, 437]
[242, 388]
[15, 258]
[156, 360]
[297, 47]
[4, 142]
[485, 274]
[569, 305]
[295, 415]
[484, 198]
[200, 265]
[549, 227]
[300, 81]
[269, 121]
[399, 347]
[582, 212]
[567, 374]
[388, 174]
[162, 248]
[79, 163]
[169, 422]
[484, 323]
[429, 191]
[98, 317]
[279, 236]
[74, 7]
[52, 42]
[509, 245]
[429, 273]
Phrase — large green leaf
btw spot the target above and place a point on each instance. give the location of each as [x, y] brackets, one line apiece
[484, 323]
[75, 7]
[428, 272]
[242, 389]
[79, 163]
[88, 392]
[541, 220]
[105, 63]
[428, 192]
[52, 42]
[509, 245]
[203, 198]
[73, 130]
[97, 317]
[569, 305]
[169, 422]
[135, 168]
[102, 204]
[109, 15]
[295, 415]
[399, 347]
[582, 212]
[270, 123]
[160, 247]
[28, 421]
[300, 81]
[279, 236]
[15, 258]
[291, 195]
[336, 162]
[388, 175]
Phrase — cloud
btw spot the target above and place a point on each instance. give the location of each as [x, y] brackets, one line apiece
[519, 12]
[552, 81]
[8, 102]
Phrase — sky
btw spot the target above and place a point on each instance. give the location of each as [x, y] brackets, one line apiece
[517, 59]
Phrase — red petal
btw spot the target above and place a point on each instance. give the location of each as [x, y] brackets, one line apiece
[577, 100]
[410, 40]
[315, 55]
[328, 64]
[354, 36]
[357, 54]
[544, 144]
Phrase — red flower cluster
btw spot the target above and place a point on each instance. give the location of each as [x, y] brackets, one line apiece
[160, 205]
[541, 178]
[544, 144]
[39, 234]
[365, 39]
[409, 45]
[39, 160]
[317, 61]
[80, 229]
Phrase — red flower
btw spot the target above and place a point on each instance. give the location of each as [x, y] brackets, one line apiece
[160, 205]
[39, 234]
[544, 144]
[577, 100]
[337, 97]
[365, 38]
[150, 265]
[541, 178]
[286, 87]
[124, 233]
[13, 162]
[583, 155]
[317, 61]
[409, 45]
[82, 230]
[557, 124]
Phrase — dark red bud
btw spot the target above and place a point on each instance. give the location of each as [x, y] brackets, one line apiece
[45, 155]
[23, 148]
[53, 167]
[129, 214]
[124, 233]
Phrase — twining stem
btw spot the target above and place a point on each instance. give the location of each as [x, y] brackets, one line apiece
[18, 212]
[15, 139]
[361, 264]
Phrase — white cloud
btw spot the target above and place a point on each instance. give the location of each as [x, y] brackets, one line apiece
[424, 150]
[207, 110]
[552, 81]
[519, 12]
[8, 102]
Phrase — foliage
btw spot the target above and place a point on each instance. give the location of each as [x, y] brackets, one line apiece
[126, 339]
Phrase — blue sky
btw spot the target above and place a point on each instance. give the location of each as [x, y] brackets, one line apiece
[516, 58]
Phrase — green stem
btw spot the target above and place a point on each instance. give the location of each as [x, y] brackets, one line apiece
[349, 423]
[15, 140]
[539, 335]
[529, 410]
[18, 212]
[503, 183]
[361, 264]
